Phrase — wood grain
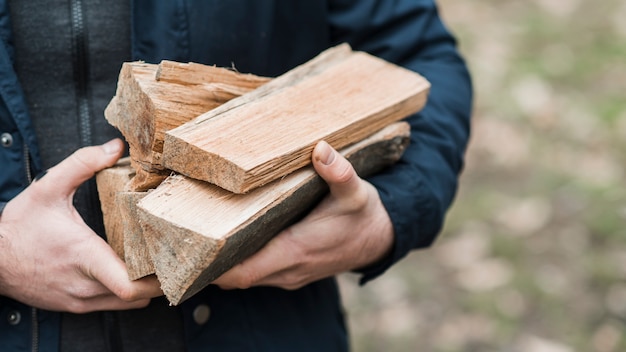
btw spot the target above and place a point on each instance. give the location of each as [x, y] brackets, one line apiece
[340, 97]
[109, 182]
[195, 231]
[151, 99]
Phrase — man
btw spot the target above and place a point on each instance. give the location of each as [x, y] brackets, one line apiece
[62, 287]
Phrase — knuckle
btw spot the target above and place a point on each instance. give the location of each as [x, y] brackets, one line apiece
[247, 278]
[362, 196]
[357, 201]
[345, 172]
[127, 294]
[77, 306]
[245, 282]
[293, 287]
[293, 282]
[140, 303]
[81, 292]
[296, 254]
[81, 158]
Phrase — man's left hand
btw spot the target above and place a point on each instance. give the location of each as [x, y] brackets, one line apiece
[349, 229]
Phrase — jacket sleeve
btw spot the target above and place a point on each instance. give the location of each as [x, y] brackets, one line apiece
[418, 190]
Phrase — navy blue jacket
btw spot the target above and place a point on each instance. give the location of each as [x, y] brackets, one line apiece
[268, 38]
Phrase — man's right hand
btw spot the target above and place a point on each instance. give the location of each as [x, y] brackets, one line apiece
[50, 259]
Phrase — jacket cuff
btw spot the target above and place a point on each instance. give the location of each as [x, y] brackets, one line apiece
[2, 205]
[372, 271]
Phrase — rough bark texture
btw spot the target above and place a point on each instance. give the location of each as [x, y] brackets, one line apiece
[195, 231]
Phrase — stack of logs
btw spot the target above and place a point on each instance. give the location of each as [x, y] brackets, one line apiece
[220, 161]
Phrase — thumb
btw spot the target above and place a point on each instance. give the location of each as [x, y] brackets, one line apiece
[338, 173]
[79, 167]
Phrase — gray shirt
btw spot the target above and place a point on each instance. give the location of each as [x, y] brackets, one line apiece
[68, 55]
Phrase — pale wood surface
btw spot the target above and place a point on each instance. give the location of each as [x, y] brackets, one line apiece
[144, 108]
[193, 73]
[136, 255]
[263, 131]
[121, 222]
[195, 231]
[109, 182]
[271, 131]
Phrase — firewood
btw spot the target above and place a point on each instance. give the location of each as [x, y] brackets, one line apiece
[253, 138]
[194, 74]
[121, 224]
[109, 182]
[151, 99]
[136, 255]
[195, 231]
[340, 97]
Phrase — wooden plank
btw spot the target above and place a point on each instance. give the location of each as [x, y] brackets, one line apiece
[195, 231]
[270, 132]
[144, 108]
[136, 255]
[109, 182]
[193, 73]
[121, 224]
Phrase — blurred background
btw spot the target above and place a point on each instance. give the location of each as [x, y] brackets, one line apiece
[533, 254]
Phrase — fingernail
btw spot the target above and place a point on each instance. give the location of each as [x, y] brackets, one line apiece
[111, 147]
[325, 154]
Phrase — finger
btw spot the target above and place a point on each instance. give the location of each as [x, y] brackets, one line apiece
[113, 303]
[104, 266]
[337, 172]
[70, 173]
[104, 302]
[258, 270]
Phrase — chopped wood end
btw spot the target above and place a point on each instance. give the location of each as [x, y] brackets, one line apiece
[341, 102]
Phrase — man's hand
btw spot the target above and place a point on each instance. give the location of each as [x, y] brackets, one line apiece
[49, 258]
[349, 229]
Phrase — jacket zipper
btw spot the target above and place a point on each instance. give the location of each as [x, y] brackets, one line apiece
[81, 76]
[81, 71]
[80, 66]
[84, 121]
[35, 329]
[29, 173]
[33, 311]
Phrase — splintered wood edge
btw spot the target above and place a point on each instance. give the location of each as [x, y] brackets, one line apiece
[140, 94]
[136, 255]
[180, 153]
[292, 77]
[108, 182]
[385, 147]
[212, 255]
[195, 74]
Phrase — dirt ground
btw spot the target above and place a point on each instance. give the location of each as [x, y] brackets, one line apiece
[533, 254]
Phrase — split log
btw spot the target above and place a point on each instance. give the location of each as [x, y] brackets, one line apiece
[195, 231]
[109, 182]
[341, 97]
[151, 99]
[121, 224]
[229, 81]
[136, 255]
